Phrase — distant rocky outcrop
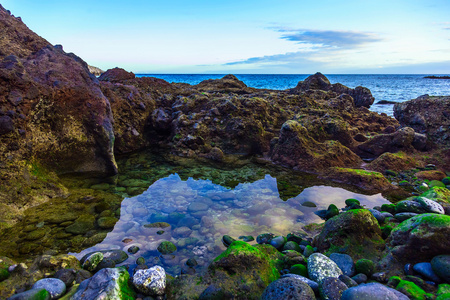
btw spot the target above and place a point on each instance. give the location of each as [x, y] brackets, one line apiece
[95, 71]
[427, 114]
[361, 95]
[437, 77]
[116, 74]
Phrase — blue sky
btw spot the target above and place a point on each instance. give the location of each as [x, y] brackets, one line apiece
[265, 36]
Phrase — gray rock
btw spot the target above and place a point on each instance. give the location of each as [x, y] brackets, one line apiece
[118, 256]
[360, 278]
[344, 262]
[151, 281]
[92, 260]
[321, 267]
[404, 216]
[430, 205]
[54, 286]
[348, 281]
[109, 283]
[409, 206]
[332, 288]
[372, 291]
[441, 266]
[312, 284]
[378, 215]
[424, 269]
[288, 288]
[67, 276]
[41, 294]
[278, 242]
[182, 232]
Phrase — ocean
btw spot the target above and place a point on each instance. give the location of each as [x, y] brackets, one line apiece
[396, 88]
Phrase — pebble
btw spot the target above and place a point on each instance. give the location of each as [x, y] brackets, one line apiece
[133, 249]
[54, 286]
[321, 267]
[424, 269]
[344, 262]
[288, 288]
[151, 281]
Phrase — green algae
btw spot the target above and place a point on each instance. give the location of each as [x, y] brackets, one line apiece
[413, 291]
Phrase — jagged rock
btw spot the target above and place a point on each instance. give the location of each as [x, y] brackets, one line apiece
[393, 142]
[428, 115]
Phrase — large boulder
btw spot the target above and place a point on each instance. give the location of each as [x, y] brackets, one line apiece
[361, 95]
[393, 142]
[354, 227]
[420, 238]
[296, 149]
[427, 114]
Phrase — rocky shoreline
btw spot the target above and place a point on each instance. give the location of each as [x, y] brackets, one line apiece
[58, 118]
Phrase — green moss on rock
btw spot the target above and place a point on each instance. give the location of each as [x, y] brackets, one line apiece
[411, 290]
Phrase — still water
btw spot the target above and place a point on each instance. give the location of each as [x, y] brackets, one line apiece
[195, 203]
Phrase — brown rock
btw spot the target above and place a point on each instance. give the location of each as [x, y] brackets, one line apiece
[431, 175]
[116, 75]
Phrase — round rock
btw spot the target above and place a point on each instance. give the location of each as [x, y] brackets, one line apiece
[372, 291]
[344, 262]
[312, 284]
[91, 262]
[424, 269]
[151, 281]
[54, 286]
[332, 288]
[288, 288]
[441, 266]
[321, 267]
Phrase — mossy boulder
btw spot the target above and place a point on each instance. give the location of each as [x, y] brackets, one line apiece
[421, 238]
[244, 270]
[355, 232]
[167, 247]
[81, 225]
[413, 291]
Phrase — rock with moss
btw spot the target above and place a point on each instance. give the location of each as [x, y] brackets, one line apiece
[365, 266]
[245, 270]
[33, 294]
[413, 291]
[91, 262]
[420, 238]
[355, 232]
[167, 247]
[108, 283]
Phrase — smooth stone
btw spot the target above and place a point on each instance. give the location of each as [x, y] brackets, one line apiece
[288, 288]
[291, 245]
[140, 261]
[105, 263]
[441, 267]
[167, 247]
[191, 262]
[109, 283]
[365, 266]
[409, 206]
[408, 269]
[91, 261]
[227, 240]
[424, 269]
[278, 242]
[360, 278]
[54, 286]
[430, 205]
[299, 269]
[309, 204]
[344, 262]
[247, 238]
[308, 251]
[197, 206]
[33, 294]
[404, 216]
[378, 215]
[348, 281]
[157, 225]
[332, 211]
[332, 288]
[380, 277]
[372, 291]
[67, 276]
[151, 281]
[312, 284]
[133, 249]
[321, 267]
[182, 232]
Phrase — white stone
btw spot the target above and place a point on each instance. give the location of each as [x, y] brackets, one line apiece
[321, 267]
[151, 281]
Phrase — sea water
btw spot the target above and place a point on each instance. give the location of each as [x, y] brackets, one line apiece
[390, 87]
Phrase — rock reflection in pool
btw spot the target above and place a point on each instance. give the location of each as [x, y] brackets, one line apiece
[200, 212]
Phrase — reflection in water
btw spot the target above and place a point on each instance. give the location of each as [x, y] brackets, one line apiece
[199, 212]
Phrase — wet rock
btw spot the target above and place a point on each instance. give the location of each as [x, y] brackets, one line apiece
[299, 269]
[91, 261]
[107, 222]
[191, 262]
[312, 284]
[288, 288]
[38, 294]
[291, 245]
[321, 267]
[360, 278]
[420, 238]
[182, 232]
[109, 283]
[349, 282]
[344, 262]
[151, 281]
[133, 249]
[372, 291]
[424, 269]
[404, 216]
[441, 266]
[365, 266]
[354, 227]
[167, 247]
[67, 276]
[308, 251]
[264, 238]
[430, 205]
[378, 215]
[247, 238]
[393, 142]
[227, 240]
[278, 242]
[332, 288]
[380, 277]
[81, 225]
[54, 286]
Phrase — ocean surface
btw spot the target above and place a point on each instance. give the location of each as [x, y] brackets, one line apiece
[396, 88]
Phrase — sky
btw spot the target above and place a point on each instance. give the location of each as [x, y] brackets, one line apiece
[247, 36]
